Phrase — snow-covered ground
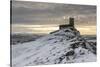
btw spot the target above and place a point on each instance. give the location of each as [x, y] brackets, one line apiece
[62, 46]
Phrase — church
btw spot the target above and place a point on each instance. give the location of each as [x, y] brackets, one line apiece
[71, 24]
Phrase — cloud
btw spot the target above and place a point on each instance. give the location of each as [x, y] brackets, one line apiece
[49, 13]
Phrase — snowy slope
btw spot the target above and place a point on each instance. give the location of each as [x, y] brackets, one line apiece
[62, 46]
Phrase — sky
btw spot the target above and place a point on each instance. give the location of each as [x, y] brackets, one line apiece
[43, 18]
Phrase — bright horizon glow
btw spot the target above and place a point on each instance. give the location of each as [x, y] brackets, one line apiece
[46, 29]
[87, 30]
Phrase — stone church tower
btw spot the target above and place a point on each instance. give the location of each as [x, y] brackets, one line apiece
[71, 21]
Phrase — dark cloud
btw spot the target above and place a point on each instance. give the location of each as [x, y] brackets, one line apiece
[49, 13]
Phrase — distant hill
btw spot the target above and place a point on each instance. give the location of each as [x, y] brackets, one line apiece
[22, 38]
[89, 37]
